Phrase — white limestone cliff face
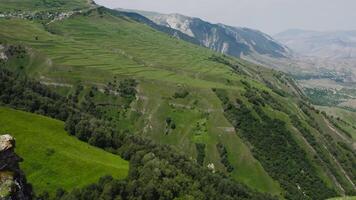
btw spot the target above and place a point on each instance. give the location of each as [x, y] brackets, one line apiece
[223, 38]
[175, 21]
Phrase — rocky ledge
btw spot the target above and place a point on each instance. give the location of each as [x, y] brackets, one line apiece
[13, 185]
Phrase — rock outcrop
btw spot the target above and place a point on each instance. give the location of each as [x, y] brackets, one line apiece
[13, 185]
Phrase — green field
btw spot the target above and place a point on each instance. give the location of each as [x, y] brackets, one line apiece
[52, 158]
[40, 5]
[94, 47]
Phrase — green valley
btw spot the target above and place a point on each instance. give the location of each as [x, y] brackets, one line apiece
[119, 80]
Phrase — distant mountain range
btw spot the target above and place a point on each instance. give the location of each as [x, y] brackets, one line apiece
[331, 45]
[303, 53]
[234, 41]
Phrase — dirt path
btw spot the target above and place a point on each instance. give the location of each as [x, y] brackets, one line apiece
[56, 84]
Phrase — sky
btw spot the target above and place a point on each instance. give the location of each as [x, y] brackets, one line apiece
[270, 16]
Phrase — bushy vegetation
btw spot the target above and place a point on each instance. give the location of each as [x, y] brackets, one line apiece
[224, 159]
[170, 125]
[325, 97]
[22, 93]
[15, 50]
[222, 60]
[124, 88]
[156, 171]
[181, 94]
[343, 154]
[274, 146]
[201, 153]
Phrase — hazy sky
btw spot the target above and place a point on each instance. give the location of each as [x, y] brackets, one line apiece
[270, 16]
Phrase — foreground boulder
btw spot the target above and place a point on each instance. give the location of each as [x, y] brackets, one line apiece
[13, 185]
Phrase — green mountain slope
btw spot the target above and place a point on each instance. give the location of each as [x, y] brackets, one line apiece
[41, 5]
[175, 102]
[115, 46]
[345, 119]
[52, 158]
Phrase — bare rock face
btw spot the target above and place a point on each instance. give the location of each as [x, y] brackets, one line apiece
[13, 185]
[6, 142]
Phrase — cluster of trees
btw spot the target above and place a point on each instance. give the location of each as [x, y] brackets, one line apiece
[18, 51]
[224, 158]
[200, 153]
[274, 146]
[156, 171]
[170, 125]
[181, 94]
[324, 97]
[336, 121]
[125, 88]
[224, 61]
[22, 93]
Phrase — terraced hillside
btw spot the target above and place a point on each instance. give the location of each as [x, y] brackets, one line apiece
[52, 158]
[189, 97]
[41, 5]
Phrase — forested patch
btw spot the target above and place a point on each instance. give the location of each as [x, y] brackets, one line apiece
[224, 157]
[325, 97]
[274, 146]
[181, 94]
[345, 156]
[200, 153]
[124, 88]
[156, 171]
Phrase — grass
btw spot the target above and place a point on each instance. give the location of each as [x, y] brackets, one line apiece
[94, 48]
[52, 158]
[199, 107]
[40, 5]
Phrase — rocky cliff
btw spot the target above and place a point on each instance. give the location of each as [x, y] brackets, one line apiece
[13, 185]
[234, 41]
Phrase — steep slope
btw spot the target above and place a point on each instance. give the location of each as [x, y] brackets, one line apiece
[53, 159]
[7, 6]
[221, 38]
[343, 118]
[126, 47]
[191, 98]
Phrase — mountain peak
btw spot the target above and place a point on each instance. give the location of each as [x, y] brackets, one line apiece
[234, 41]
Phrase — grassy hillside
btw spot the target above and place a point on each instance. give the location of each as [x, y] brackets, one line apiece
[116, 46]
[175, 82]
[41, 5]
[52, 158]
[345, 118]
